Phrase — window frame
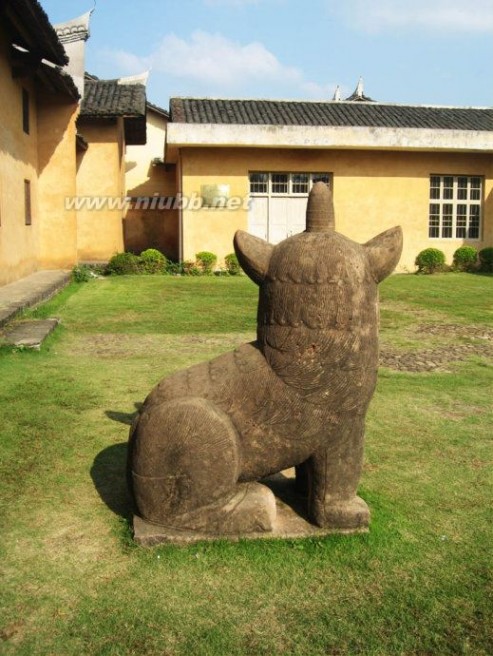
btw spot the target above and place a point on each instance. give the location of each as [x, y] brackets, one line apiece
[448, 213]
[26, 109]
[28, 215]
[292, 181]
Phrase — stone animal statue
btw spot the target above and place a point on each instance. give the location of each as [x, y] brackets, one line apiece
[297, 396]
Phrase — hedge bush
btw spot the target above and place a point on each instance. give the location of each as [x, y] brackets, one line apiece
[486, 259]
[82, 273]
[153, 261]
[206, 261]
[190, 268]
[232, 264]
[430, 260]
[465, 258]
[124, 264]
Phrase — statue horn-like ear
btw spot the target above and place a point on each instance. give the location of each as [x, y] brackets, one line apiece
[384, 252]
[253, 254]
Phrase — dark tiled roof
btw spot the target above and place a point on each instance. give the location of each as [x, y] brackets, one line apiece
[58, 81]
[272, 112]
[31, 29]
[107, 98]
[50, 76]
[104, 99]
[359, 97]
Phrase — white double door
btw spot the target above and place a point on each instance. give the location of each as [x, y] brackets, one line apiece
[275, 218]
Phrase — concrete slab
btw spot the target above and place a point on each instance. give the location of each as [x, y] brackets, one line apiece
[30, 291]
[29, 334]
[291, 521]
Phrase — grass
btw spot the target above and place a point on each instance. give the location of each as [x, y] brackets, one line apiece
[74, 583]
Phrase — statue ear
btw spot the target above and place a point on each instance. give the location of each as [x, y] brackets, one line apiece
[253, 254]
[384, 252]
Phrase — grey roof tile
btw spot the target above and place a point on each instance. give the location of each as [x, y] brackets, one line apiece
[334, 113]
[105, 98]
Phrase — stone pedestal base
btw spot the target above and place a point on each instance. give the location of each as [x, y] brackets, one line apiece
[290, 521]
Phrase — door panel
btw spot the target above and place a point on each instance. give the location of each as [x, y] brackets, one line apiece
[296, 215]
[258, 216]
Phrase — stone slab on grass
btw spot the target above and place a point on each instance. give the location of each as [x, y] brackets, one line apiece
[291, 521]
[29, 334]
[30, 291]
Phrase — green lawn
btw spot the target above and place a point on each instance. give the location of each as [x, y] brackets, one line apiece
[73, 582]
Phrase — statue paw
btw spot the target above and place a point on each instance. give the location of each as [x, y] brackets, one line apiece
[344, 514]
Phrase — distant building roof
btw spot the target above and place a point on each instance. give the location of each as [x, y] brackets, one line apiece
[358, 94]
[108, 99]
[31, 29]
[330, 113]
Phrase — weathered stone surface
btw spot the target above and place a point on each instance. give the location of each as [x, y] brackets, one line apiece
[297, 396]
[30, 291]
[288, 516]
[29, 334]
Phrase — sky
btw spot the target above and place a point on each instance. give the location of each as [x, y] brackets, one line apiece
[432, 52]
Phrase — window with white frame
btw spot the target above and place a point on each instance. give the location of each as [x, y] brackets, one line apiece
[455, 207]
[285, 184]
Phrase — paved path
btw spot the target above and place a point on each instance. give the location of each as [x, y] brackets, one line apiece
[29, 291]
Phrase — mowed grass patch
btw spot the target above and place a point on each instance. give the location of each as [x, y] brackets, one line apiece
[73, 582]
[454, 297]
[160, 304]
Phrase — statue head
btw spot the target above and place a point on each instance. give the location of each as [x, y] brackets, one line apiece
[320, 252]
[318, 287]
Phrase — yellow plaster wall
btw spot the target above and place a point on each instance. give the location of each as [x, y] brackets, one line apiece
[151, 228]
[100, 174]
[57, 182]
[373, 191]
[18, 162]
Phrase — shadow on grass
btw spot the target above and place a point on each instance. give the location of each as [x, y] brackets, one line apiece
[124, 417]
[109, 475]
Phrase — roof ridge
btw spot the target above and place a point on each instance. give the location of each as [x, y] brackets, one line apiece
[330, 102]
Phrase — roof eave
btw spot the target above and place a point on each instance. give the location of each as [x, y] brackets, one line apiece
[31, 29]
[207, 135]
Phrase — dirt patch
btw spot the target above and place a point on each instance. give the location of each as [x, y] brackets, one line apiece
[456, 330]
[437, 359]
[117, 345]
[111, 345]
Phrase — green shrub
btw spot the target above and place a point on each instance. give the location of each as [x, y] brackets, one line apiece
[190, 268]
[98, 269]
[486, 259]
[152, 261]
[232, 264]
[430, 260]
[174, 268]
[82, 273]
[465, 258]
[206, 261]
[124, 264]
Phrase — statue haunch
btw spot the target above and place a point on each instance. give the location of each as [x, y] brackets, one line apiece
[297, 396]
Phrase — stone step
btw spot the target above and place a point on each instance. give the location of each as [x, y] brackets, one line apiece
[30, 291]
[29, 334]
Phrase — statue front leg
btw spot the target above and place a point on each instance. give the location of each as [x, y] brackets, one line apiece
[333, 477]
